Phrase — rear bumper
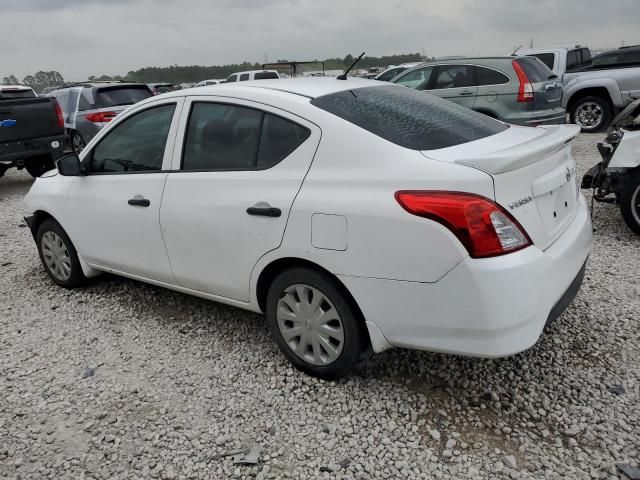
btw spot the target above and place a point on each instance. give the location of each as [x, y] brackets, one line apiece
[555, 116]
[15, 153]
[489, 307]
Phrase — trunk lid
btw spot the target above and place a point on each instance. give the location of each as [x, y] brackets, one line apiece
[547, 88]
[534, 175]
[28, 118]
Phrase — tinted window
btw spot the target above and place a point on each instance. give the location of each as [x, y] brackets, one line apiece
[265, 75]
[572, 59]
[136, 144]
[409, 118]
[488, 76]
[389, 74]
[232, 78]
[605, 60]
[244, 77]
[418, 78]
[630, 57]
[546, 58]
[535, 70]
[453, 76]
[114, 96]
[229, 137]
[279, 137]
[9, 94]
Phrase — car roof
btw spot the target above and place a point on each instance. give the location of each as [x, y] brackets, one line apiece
[14, 87]
[301, 87]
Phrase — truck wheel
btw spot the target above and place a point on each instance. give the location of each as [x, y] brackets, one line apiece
[591, 114]
[58, 255]
[630, 203]
[77, 142]
[36, 166]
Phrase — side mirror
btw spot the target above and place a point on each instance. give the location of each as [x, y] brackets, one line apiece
[70, 166]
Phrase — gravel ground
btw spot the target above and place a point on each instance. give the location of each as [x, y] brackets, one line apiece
[125, 380]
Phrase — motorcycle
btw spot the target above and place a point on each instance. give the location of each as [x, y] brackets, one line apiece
[617, 178]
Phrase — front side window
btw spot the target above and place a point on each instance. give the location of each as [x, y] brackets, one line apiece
[136, 144]
[418, 78]
[232, 78]
[454, 76]
[231, 137]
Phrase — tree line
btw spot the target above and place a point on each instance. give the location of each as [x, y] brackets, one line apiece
[176, 74]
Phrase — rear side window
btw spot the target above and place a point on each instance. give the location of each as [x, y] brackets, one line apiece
[113, 97]
[535, 70]
[489, 76]
[546, 58]
[231, 137]
[244, 77]
[265, 75]
[409, 118]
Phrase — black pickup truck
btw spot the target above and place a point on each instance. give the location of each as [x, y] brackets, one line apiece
[31, 130]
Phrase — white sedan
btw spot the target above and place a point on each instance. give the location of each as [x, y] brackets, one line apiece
[356, 216]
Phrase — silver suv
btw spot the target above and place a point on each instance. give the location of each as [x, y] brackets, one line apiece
[88, 107]
[521, 91]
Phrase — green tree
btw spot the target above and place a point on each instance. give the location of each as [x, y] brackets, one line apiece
[10, 80]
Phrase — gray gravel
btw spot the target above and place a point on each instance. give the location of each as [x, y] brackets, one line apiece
[125, 380]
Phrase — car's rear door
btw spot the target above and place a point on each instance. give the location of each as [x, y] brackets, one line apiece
[455, 83]
[237, 169]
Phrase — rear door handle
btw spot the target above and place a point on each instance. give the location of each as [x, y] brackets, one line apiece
[139, 202]
[264, 211]
[466, 92]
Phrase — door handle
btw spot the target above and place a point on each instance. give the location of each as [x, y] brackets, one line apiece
[466, 92]
[139, 202]
[264, 211]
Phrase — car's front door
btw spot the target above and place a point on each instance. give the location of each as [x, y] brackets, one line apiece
[234, 179]
[455, 83]
[116, 205]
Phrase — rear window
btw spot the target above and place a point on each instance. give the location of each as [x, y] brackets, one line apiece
[113, 97]
[11, 94]
[408, 117]
[546, 58]
[265, 75]
[535, 70]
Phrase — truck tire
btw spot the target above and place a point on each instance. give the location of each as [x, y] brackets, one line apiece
[592, 113]
[630, 202]
[36, 166]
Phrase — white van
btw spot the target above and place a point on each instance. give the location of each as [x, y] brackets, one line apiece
[252, 75]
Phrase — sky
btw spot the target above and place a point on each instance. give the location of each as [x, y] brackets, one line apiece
[94, 37]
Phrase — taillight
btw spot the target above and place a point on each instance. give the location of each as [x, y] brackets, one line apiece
[59, 116]
[102, 117]
[483, 226]
[525, 90]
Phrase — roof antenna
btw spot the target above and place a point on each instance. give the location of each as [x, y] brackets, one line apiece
[516, 51]
[346, 72]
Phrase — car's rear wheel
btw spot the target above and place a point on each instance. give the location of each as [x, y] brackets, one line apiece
[630, 203]
[36, 166]
[58, 255]
[77, 142]
[591, 114]
[314, 323]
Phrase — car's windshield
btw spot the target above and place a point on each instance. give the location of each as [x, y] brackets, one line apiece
[408, 117]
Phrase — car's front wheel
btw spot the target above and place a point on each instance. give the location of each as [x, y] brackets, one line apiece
[58, 255]
[630, 203]
[315, 324]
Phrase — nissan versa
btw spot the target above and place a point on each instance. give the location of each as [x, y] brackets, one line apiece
[357, 216]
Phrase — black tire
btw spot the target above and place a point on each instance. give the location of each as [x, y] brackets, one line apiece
[606, 113]
[355, 341]
[76, 276]
[630, 202]
[36, 166]
[76, 142]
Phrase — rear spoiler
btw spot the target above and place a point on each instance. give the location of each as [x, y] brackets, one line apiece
[553, 139]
